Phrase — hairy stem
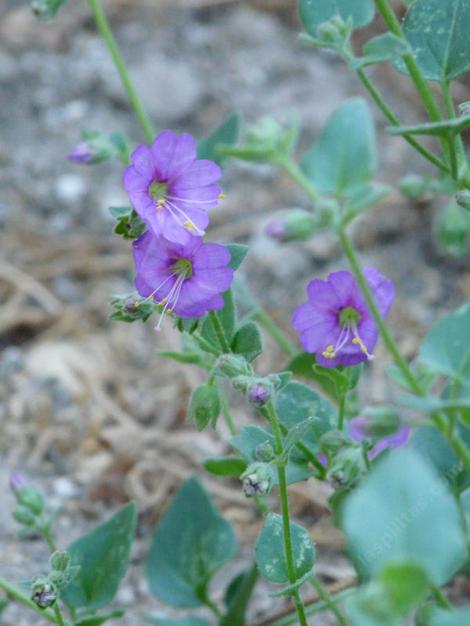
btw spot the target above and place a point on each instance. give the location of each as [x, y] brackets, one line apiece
[288, 549]
[17, 594]
[219, 332]
[341, 407]
[328, 600]
[58, 615]
[105, 30]
[394, 120]
[450, 108]
[276, 333]
[421, 85]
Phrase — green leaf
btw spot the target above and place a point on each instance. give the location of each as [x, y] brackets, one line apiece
[189, 620]
[315, 12]
[385, 47]
[237, 254]
[295, 434]
[251, 437]
[248, 341]
[103, 557]
[343, 158]
[446, 348]
[227, 317]
[442, 617]
[225, 466]
[437, 32]
[46, 8]
[405, 502]
[406, 585]
[237, 597]
[295, 403]
[205, 406]
[190, 544]
[444, 128]
[225, 134]
[99, 619]
[332, 381]
[270, 555]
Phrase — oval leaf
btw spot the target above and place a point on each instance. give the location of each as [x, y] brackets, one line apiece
[437, 32]
[103, 557]
[405, 502]
[315, 12]
[190, 544]
[343, 158]
[269, 550]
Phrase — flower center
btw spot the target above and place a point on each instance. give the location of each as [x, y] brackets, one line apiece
[157, 192]
[349, 317]
[183, 267]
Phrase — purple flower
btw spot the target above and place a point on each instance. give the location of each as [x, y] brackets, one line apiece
[335, 322]
[170, 189]
[186, 279]
[17, 482]
[358, 430]
[81, 153]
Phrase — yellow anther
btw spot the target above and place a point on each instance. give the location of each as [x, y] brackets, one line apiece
[163, 301]
[169, 311]
[363, 349]
[189, 226]
[330, 348]
[356, 340]
[222, 196]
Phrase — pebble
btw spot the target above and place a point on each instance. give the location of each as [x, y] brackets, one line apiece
[70, 188]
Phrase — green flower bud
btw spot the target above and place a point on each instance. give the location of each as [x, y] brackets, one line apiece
[43, 592]
[30, 498]
[413, 185]
[264, 452]
[60, 560]
[334, 33]
[205, 406]
[347, 467]
[257, 480]
[332, 441]
[232, 365]
[453, 229]
[24, 516]
[463, 199]
[46, 8]
[292, 225]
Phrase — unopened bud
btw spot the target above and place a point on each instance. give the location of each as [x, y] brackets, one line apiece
[231, 365]
[335, 32]
[259, 393]
[347, 468]
[376, 422]
[332, 441]
[264, 452]
[60, 560]
[24, 516]
[43, 593]
[292, 225]
[413, 185]
[463, 199]
[257, 480]
[17, 482]
[30, 498]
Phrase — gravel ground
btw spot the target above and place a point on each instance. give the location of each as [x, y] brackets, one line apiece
[87, 408]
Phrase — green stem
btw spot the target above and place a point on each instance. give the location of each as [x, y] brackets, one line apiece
[17, 594]
[441, 598]
[288, 549]
[393, 119]
[421, 85]
[307, 454]
[47, 536]
[450, 108]
[328, 600]
[311, 609]
[219, 332]
[276, 333]
[228, 416]
[387, 338]
[105, 30]
[341, 407]
[294, 170]
[58, 615]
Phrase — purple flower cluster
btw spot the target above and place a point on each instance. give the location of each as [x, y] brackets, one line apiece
[171, 191]
[335, 323]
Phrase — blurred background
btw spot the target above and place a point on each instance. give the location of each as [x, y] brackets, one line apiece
[88, 410]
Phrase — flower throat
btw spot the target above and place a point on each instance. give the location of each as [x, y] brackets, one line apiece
[348, 319]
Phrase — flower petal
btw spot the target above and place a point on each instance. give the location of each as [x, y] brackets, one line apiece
[142, 161]
[173, 154]
[322, 296]
[199, 174]
[211, 255]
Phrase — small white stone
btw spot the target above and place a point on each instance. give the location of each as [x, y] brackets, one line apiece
[70, 188]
